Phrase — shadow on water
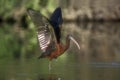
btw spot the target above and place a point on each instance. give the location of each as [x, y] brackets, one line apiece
[98, 59]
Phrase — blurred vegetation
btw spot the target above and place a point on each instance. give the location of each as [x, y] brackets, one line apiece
[17, 32]
[13, 7]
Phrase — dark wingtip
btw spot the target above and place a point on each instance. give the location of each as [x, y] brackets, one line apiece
[32, 11]
[58, 8]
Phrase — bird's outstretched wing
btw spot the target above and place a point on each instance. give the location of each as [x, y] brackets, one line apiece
[56, 20]
[56, 17]
[45, 33]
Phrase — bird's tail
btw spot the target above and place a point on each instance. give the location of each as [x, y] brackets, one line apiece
[42, 56]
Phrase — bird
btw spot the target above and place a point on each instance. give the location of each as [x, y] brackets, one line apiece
[49, 33]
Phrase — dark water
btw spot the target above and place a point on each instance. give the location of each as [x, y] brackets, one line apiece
[98, 59]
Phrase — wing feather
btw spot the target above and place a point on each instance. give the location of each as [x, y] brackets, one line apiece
[45, 31]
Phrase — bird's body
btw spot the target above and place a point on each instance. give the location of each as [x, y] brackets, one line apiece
[57, 52]
[60, 49]
[49, 34]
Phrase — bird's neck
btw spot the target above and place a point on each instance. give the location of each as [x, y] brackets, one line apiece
[62, 48]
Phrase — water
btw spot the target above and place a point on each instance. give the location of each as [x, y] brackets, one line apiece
[98, 59]
[61, 70]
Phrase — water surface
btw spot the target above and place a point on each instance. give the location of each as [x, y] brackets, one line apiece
[98, 59]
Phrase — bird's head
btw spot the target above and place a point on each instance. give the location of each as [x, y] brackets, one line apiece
[74, 41]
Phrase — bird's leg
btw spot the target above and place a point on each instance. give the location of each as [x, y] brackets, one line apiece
[50, 66]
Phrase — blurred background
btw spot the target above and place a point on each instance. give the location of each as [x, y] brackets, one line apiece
[94, 23]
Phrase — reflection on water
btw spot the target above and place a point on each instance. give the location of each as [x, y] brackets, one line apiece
[98, 59]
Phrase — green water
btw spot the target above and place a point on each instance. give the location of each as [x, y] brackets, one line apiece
[67, 69]
[98, 59]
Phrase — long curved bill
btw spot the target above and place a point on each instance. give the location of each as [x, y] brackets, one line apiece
[71, 38]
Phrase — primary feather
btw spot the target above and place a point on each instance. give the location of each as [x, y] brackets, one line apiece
[56, 17]
[44, 38]
[56, 20]
[45, 32]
